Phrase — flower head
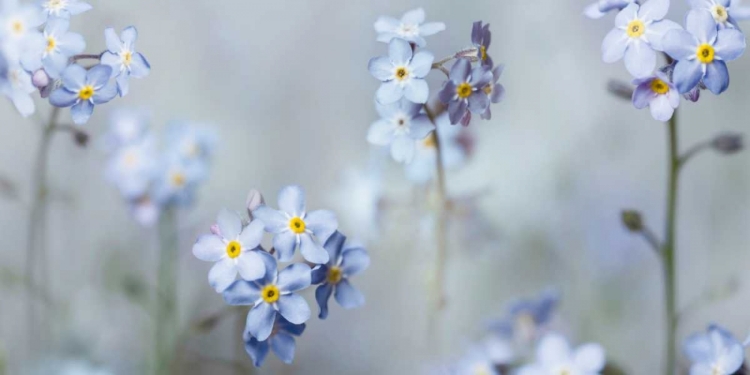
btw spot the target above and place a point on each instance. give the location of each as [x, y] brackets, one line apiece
[453, 151]
[480, 39]
[464, 89]
[62, 8]
[18, 28]
[333, 277]
[659, 94]
[123, 58]
[722, 11]
[281, 341]
[193, 143]
[600, 8]
[527, 317]
[400, 124]
[177, 180]
[637, 34]
[701, 52]
[84, 89]
[293, 226]
[402, 73]
[555, 356]
[716, 352]
[494, 91]
[17, 87]
[132, 168]
[274, 292]
[410, 28]
[126, 127]
[52, 49]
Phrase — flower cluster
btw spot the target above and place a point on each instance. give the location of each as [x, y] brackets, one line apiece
[149, 180]
[278, 311]
[695, 56]
[716, 352]
[39, 53]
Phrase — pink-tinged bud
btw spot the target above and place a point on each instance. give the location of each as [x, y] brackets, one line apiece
[254, 200]
[40, 79]
[215, 229]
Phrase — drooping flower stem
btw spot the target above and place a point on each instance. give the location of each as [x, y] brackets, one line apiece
[668, 251]
[166, 293]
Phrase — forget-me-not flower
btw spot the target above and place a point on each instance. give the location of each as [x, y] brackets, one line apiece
[402, 73]
[721, 11]
[177, 180]
[18, 88]
[463, 91]
[293, 226]
[600, 8]
[84, 89]
[345, 262]
[281, 342]
[274, 292]
[659, 94]
[555, 356]
[527, 317]
[133, 167]
[400, 124]
[123, 58]
[410, 28]
[56, 47]
[637, 35]
[18, 28]
[127, 126]
[714, 353]
[494, 91]
[422, 169]
[63, 8]
[480, 39]
[701, 52]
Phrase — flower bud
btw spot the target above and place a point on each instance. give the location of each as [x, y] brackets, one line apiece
[620, 89]
[632, 220]
[254, 200]
[40, 79]
[215, 229]
[728, 143]
[81, 137]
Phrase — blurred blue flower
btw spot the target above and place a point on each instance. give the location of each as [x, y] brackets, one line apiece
[145, 210]
[659, 94]
[274, 292]
[701, 53]
[402, 73]
[720, 10]
[281, 342]
[526, 318]
[463, 91]
[637, 34]
[176, 180]
[480, 39]
[345, 262]
[494, 91]
[400, 124]
[600, 8]
[193, 143]
[17, 87]
[84, 89]
[422, 169]
[123, 58]
[18, 28]
[234, 250]
[126, 126]
[293, 226]
[555, 356]
[714, 353]
[475, 362]
[62, 8]
[133, 167]
[53, 49]
[410, 28]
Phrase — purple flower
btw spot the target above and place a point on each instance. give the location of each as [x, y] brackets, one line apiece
[494, 91]
[333, 277]
[84, 89]
[281, 342]
[402, 73]
[463, 91]
[659, 94]
[481, 38]
[410, 28]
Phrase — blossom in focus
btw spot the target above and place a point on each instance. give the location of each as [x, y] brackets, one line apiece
[600, 8]
[333, 277]
[463, 90]
[719, 10]
[83, 89]
[480, 39]
[716, 352]
[122, 57]
[52, 49]
[402, 73]
[410, 28]
[659, 94]
[494, 91]
[400, 124]
[281, 342]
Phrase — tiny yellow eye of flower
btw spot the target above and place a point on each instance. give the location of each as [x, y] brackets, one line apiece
[51, 44]
[402, 73]
[297, 225]
[429, 141]
[178, 179]
[720, 13]
[660, 87]
[86, 92]
[705, 53]
[483, 52]
[17, 27]
[270, 293]
[127, 58]
[636, 28]
[234, 249]
[463, 90]
[334, 275]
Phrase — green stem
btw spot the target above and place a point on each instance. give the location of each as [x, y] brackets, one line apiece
[166, 293]
[441, 235]
[668, 251]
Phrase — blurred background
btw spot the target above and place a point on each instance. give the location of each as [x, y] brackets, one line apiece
[286, 86]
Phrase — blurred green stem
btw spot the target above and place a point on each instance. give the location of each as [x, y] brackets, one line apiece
[668, 251]
[166, 296]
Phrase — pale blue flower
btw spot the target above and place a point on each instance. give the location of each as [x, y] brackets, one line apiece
[659, 94]
[133, 167]
[294, 226]
[193, 143]
[62, 8]
[127, 126]
[281, 342]
[722, 11]
[410, 28]
[527, 317]
[123, 58]
[270, 294]
[475, 362]
[600, 8]
[402, 73]
[701, 53]
[18, 28]
[145, 210]
[637, 35]
[423, 167]
[555, 356]
[714, 353]
[53, 49]
[18, 88]
[84, 89]
[177, 180]
[400, 124]
[463, 92]
[333, 277]
[234, 250]
[494, 91]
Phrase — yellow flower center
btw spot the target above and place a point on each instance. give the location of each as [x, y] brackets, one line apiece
[234, 249]
[720, 13]
[402, 73]
[717, 370]
[270, 293]
[429, 141]
[334, 275]
[178, 179]
[86, 92]
[483, 52]
[17, 27]
[660, 87]
[481, 370]
[127, 58]
[463, 90]
[487, 90]
[130, 159]
[51, 44]
[297, 225]
[636, 28]
[705, 53]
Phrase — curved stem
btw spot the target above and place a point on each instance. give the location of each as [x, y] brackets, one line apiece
[668, 251]
[166, 298]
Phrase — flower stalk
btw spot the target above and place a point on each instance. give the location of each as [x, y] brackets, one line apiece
[166, 296]
[668, 252]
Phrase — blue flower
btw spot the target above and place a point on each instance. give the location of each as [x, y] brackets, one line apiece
[494, 91]
[281, 342]
[714, 353]
[133, 167]
[637, 34]
[62, 8]
[345, 262]
[526, 317]
[463, 91]
[402, 73]
[401, 123]
[555, 356]
[659, 94]
[83, 89]
[123, 58]
[145, 210]
[126, 127]
[475, 362]
[193, 143]
[701, 53]
[53, 49]
[600, 8]
[17, 87]
[721, 11]
[177, 180]
[410, 28]
[18, 28]
[272, 293]
[293, 226]
[453, 151]
[480, 39]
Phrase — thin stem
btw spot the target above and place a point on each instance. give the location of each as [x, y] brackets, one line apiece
[166, 301]
[668, 251]
[692, 151]
[85, 57]
[651, 238]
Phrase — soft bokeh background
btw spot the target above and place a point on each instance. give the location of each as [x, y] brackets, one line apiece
[286, 86]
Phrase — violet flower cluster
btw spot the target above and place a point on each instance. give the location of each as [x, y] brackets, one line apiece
[153, 180]
[279, 312]
[39, 53]
[696, 55]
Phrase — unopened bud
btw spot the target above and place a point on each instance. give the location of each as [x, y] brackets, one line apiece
[632, 220]
[81, 137]
[728, 143]
[40, 79]
[215, 229]
[620, 89]
[254, 200]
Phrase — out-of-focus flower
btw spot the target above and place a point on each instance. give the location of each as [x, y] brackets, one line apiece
[400, 124]
[527, 318]
[132, 168]
[637, 34]
[423, 168]
[494, 91]
[402, 73]
[126, 127]
[714, 353]
[410, 28]
[18, 88]
[274, 292]
[293, 226]
[701, 53]
[555, 356]
[54, 48]
[145, 210]
[83, 90]
[281, 342]
[62, 8]
[123, 59]
[463, 91]
[18, 28]
[193, 143]
[719, 10]
[345, 262]
[233, 252]
[480, 39]
[475, 362]
[176, 180]
[659, 94]
[600, 8]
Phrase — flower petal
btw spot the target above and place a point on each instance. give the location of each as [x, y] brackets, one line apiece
[614, 46]
[311, 250]
[717, 77]
[294, 308]
[322, 295]
[653, 10]
[413, 17]
[292, 200]
[294, 277]
[381, 133]
[250, 265]
[553, 348]
[386, 24]
[420, 126]
[730, 44]
[229, 224]
[334, 246]
[590, 357]
[421, 64]
[285, 243]
[251, 236]
[283, 345]
[417, 91]
[209, 248]
[139, 66]
[105, 93]
[381, 68]
[702, 25]
[402, 149]
[274, 221]
[322, 223]
[478, 102]
[98, 75]
[657, 30]
[241, 293]
[348, 296]
[460, 70]
[354, 260]
[74, 77]
[63, 98]
[112, 40]
[661, 109]
[81, 112]
[431, 28]
[679, 44]
[129, 36]
[389, 92]
[260, 321]
[626, 15]
[222, 274]
[258, 350]
[399, 51]
[640, 59]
